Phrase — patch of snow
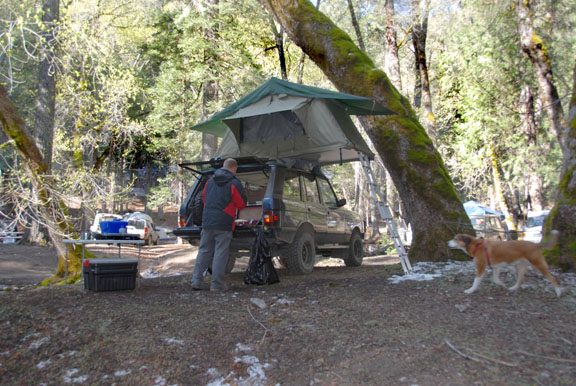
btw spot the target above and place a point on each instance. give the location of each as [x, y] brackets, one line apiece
[284, 301]
[43, 364]
[149, 274]
[37, 343]
[425, 271]
[413, 276]
[256, 374]
[174, 340]
[122, 373]
[160, 381]
[68, 378]
[242, 347]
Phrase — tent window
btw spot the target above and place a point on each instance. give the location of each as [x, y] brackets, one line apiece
[267, 127]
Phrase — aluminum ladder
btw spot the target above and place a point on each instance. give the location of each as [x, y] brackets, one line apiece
[385, 212]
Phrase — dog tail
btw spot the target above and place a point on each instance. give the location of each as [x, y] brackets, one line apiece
[551, 242]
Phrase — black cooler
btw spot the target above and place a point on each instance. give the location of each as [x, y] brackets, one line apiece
[110, 274]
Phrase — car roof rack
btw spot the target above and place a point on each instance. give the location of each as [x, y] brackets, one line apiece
[218, 162]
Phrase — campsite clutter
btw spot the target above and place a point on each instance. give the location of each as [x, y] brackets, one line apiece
[299, 127]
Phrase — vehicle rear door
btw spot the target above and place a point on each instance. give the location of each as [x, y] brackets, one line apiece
[317, 212]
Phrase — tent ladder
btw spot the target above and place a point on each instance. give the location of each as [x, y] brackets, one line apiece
[385, 212]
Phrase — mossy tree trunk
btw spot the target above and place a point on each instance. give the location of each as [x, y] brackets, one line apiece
[537, 52]
[432, 204]
[52, 209]
[563, 215]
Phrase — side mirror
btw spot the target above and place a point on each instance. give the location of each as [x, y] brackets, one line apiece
[341, 202]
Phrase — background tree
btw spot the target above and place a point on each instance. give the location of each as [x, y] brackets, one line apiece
[416, 168]
[46, 97]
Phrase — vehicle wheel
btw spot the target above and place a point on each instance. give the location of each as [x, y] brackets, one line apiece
[300, 256]
[231, 262]
[355, 252]
[148, 241]
[197, 210]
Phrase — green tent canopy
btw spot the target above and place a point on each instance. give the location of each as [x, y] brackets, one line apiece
[284, 120]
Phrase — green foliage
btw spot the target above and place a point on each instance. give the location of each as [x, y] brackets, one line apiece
[387, 244]
[480, 76]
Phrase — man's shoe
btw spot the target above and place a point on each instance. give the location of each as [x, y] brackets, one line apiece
[196, 287]
[219, 289]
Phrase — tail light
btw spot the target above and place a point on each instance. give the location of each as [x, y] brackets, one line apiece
[145, 231]
[182, 223]
[270, 218]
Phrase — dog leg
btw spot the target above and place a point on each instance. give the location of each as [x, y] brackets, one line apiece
[521, 268]
[496, 276]
[543, 268]
[480, 270]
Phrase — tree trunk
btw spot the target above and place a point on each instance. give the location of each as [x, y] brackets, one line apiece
[53, 210]
[356, 26]
[527, 114]
[499, 190]
[392, 69]
[211, 88]
[563, 215]
[537, 53]
[419, 36]
[391, 60]
[430, 198]
[279, 39]
[46, 98]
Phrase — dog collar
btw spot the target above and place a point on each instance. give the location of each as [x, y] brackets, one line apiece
[485, 252]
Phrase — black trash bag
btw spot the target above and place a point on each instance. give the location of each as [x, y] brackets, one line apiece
[260, 267]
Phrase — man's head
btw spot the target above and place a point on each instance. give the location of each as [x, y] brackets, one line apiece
[231, 165]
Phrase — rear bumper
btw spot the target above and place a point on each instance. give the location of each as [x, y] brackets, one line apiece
[243, 237]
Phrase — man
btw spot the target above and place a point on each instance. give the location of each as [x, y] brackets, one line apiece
[223, 196]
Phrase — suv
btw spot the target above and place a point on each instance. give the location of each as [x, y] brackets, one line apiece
[490, 226]
[533, 228]
[141, 226]
[298, 210]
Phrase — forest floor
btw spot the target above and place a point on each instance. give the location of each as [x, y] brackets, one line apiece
[336, 326]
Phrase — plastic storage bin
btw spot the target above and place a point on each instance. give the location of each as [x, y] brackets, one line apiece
[113, 226]
[110, 274]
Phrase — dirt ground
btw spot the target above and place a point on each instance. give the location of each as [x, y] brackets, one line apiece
[337, 326]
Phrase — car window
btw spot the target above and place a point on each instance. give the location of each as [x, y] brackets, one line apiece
[254, 192]
[138, 224]
[291, 190]
[107, 218]
[535, 221]
[310, 188]
[326, 192]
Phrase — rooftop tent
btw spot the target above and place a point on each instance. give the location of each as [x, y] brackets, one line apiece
[282, 120]
[473, 208]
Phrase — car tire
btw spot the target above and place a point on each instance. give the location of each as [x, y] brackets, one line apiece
[197, 210]
[230, 263]
[355, 252]
[300, 256]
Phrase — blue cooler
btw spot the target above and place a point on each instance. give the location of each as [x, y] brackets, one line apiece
[113, 226]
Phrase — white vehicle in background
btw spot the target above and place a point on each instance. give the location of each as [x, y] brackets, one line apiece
[142, 227]
[533, 227]
[95, 230]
